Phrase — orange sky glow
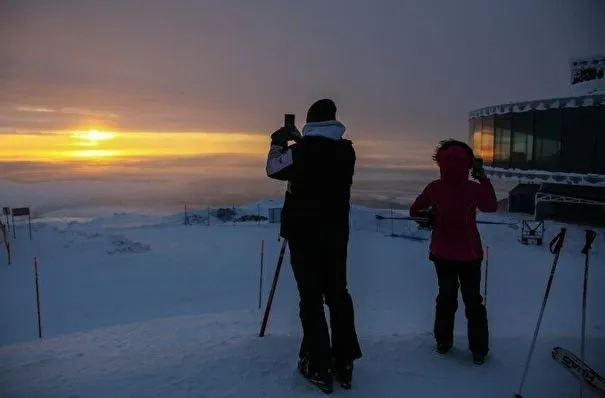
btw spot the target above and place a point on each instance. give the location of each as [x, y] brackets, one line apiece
[110, 145]
[104, 146]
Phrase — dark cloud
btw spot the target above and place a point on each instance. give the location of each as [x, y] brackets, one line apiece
[396, 68]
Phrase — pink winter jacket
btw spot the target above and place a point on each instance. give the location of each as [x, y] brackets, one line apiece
[454, 200]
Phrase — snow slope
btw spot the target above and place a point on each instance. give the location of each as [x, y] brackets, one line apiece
[136, 305]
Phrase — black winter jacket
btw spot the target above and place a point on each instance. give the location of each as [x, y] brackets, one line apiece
[319, 170]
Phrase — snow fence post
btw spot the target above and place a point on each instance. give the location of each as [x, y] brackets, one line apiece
[186, 220]
[485, 281]
[14, 231]
[7, 246]
[37, 297]
[260, 280]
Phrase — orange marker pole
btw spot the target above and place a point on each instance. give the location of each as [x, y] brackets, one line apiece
[38, 297]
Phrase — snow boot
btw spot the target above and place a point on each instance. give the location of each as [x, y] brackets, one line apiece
[344, 374]
[443, 348]
[478, 359]
[321, 379]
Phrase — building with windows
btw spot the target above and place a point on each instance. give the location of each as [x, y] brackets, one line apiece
[548, 144]
[559, 135]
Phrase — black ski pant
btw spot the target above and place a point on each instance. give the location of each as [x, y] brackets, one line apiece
[320, 269]
[452, 275]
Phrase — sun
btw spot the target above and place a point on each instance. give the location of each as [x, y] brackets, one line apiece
[91, 138]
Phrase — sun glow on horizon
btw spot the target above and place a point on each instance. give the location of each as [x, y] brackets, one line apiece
[93, 144]
[92, 137]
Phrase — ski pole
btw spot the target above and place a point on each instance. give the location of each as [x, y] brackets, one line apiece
[273, 286]
[555, 247]
[590, 237]
[424, 219]
[485, 282]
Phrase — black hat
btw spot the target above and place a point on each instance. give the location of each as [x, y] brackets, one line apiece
[321, 111]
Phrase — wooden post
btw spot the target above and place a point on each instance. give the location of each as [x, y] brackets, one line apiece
[38, 298]
[485, 282]
[186, 221]
[260, 281]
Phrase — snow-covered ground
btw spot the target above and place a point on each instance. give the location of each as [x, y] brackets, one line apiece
[139, 305]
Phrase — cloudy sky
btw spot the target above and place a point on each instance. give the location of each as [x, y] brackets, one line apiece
[396, 68]
[404, 73]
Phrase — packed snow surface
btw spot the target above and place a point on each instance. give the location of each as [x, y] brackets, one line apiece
[139, 305]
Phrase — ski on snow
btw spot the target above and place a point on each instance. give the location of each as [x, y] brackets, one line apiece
[574, 365]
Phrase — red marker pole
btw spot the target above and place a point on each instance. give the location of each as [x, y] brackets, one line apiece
[38, 297]
[260, 281]
[485, 281]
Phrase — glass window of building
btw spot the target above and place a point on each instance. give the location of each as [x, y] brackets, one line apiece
[522, 147]
[502, 140]
[579, 140]
[476, 135]
[487, 140]
[547, 139]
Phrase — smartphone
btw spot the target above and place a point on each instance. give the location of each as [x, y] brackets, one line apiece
[478, 163]
[289, 120]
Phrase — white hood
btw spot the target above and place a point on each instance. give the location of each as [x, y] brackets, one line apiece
[332, 129]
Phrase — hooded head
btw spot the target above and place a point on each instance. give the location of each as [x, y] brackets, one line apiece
[321, 121]
[455, 159]
[321, 111]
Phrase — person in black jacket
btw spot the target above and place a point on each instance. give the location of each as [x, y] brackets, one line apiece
[319, 168]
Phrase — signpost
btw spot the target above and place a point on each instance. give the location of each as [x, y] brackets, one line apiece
[22, 212]
[6, 212]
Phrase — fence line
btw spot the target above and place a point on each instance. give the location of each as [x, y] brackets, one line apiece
[360, 219]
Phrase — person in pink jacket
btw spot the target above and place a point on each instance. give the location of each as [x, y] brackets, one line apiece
[451, 204]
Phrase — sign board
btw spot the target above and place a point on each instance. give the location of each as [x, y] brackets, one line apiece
[587, 74]
[21, 211]
[275, 215]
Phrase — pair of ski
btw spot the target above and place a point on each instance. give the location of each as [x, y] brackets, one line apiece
[579, 369]
[565, 357]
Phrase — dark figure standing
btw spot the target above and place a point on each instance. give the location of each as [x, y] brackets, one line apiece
[451, 203]
[319, 169]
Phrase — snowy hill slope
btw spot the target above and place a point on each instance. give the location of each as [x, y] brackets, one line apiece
[136, 305]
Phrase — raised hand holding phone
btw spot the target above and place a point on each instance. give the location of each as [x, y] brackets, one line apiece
[478, 173]
[288, 132]
[293, 133]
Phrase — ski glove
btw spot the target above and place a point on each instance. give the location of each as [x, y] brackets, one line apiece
[430, 223]
[478, 173]
[284, 134]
